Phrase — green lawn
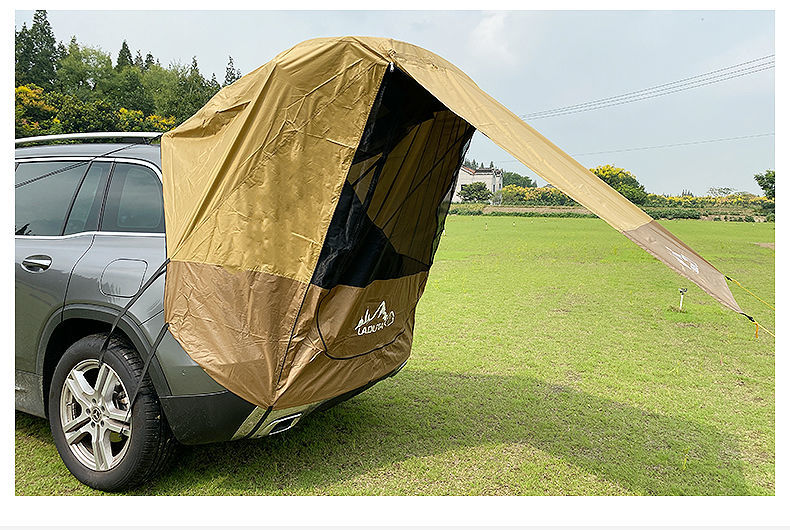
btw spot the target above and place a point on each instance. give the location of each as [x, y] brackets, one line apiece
[549, 358]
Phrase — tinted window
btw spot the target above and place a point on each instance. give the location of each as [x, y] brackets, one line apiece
[84, 215]
[42, 203]
[134, 201]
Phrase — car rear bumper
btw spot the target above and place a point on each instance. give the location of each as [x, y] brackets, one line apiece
[222, 416]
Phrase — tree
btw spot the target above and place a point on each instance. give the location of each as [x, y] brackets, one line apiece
[160, 83]
[149, 61]
[623, 182]
[510, 178]
[124, 57]
[37, 53]
[138, 61]
[127, 90]
[23, 55]
[475, 192]
[767, 182]
[214, 84]
[232, 74]
[84, 72]
[82, 89]
[190, 93]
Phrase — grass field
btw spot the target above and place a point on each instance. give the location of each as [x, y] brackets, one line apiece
[549, 358]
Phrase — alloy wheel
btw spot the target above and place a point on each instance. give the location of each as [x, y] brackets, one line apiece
[94, 415]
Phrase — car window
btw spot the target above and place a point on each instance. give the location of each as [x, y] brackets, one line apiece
[44, 195]
[84, 214]
[134, 201]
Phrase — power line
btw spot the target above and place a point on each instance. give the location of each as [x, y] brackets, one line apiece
[676, 145]
[663, 92]
[715, 76]
[665, 86]
[664, 146]
[632, 100]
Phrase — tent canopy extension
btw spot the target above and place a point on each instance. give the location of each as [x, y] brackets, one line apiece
[304, 204]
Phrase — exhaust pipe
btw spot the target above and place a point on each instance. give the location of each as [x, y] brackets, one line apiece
[283, 424]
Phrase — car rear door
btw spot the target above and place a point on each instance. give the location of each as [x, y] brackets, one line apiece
[129, 245]
[58, 203]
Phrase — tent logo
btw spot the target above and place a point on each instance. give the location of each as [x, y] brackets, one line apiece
[683, 260]
[371, 323]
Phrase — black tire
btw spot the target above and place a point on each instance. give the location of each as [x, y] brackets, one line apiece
[148, 447]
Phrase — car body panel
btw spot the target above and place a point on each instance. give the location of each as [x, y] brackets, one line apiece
[39, 294]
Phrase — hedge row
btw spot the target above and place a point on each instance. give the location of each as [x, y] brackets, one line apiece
[740, 199]
[672, 213]
[656, 213]
[540, 214]
[518, 196]
[473, 209]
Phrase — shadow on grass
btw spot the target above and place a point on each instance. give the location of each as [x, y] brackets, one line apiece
[425, 413]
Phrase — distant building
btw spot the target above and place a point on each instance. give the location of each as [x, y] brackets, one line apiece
[491, 177]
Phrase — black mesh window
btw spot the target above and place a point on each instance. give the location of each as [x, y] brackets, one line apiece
[393, 204]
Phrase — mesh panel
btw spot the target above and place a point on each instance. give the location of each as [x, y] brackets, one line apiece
[393, 204]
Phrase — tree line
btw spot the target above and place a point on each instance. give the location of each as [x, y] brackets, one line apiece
[64, 88]
[625, 183]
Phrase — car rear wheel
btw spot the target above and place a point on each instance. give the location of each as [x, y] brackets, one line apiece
[102, 443]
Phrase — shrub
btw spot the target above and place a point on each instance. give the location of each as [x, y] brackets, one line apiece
[672, 213]
[517, 195]
[505, 213]
[622, 181]
[466, 209]
[475, 192]
[632, 193]
[734, 199]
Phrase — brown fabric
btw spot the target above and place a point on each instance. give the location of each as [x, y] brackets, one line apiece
[352, 321]
[660, 242]
[239, 314]
[251, 180]
[234, 324]
[311, 375]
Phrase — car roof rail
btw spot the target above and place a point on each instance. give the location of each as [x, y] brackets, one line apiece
[130, 137]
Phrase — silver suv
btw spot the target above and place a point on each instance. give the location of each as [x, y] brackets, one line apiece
[89, 230]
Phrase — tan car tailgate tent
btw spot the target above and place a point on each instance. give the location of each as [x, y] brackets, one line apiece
[304, 204]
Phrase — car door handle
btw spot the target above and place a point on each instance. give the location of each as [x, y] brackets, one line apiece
[37, 263]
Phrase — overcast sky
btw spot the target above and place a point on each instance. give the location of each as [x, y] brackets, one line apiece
[530, 61]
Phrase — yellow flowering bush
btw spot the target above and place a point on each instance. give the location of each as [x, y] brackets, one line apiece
[134, 120]
[33, 115]
[688, 201]
[535, 196]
